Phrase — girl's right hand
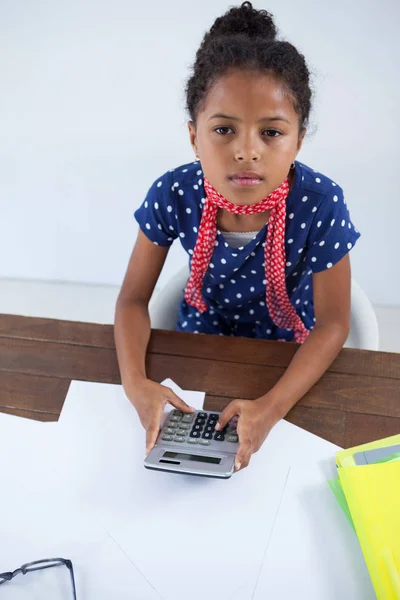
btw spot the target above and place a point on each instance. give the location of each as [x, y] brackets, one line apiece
[149, 398]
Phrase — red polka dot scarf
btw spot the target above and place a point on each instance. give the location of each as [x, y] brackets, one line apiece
[279, 306]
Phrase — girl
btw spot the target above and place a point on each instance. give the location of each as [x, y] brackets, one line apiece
[267, 237]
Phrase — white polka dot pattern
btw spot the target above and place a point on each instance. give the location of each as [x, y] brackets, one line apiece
[280, 308]
[165, 214]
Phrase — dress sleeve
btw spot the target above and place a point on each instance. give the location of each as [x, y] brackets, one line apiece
[157, 214]
[332, 234]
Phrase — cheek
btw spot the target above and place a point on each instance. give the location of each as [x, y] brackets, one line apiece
[213, 144]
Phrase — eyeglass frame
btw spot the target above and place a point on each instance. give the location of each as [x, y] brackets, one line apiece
[27, 568]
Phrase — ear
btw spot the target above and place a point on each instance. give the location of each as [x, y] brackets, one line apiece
[192, 136]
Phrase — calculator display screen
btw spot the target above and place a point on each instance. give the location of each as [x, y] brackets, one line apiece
[203, 459]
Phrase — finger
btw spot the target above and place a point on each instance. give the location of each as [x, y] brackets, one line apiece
[227, 414]
[234, 422]
[246, 460]
[245, 448]
[151, 438]
[178, 402]
[152, 433]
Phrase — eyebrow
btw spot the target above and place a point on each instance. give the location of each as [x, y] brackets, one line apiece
[276, 118]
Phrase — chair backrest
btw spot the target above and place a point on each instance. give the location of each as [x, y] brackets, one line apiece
[164, 304]
[364, 332]
[364, 329]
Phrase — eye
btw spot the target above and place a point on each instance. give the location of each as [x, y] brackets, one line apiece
[220, 129]
[273, 131]
[224, 131]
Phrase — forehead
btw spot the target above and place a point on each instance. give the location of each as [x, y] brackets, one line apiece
[247, 94]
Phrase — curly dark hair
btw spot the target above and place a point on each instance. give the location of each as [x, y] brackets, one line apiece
[245, 38]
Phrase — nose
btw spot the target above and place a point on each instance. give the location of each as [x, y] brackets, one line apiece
[248, 147]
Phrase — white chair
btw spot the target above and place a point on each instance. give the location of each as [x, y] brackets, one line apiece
[364, 332]
[164, 304]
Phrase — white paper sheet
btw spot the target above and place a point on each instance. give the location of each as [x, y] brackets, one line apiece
[313, 552]
[78, 489]
[39, 521]
[167, 524]
[173, 525]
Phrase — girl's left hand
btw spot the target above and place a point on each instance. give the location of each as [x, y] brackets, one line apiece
[256, 419]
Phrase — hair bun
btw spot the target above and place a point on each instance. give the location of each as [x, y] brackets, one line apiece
[244, 20]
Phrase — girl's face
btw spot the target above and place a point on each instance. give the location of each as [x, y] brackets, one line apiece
[247, 123]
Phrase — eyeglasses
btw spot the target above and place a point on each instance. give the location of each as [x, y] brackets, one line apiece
[38, 565]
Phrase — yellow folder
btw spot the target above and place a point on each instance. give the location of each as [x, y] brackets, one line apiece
[373, 496]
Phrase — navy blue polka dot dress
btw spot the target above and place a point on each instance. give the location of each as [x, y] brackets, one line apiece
[319, 232]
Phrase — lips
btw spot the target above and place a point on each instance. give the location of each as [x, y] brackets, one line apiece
[246, 179]
[246, 175]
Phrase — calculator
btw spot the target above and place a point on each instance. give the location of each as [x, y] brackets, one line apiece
[188, 443]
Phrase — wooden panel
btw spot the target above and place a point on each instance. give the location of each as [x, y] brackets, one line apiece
[30, 414]
[328, 424]
[244, 350]
[217, 403]
[218, 378]
[334, 391]
[356, 400]
[32, 392]
[59, 360]
[269, 353]
[361, 429]
[71, 332]
[362, 395]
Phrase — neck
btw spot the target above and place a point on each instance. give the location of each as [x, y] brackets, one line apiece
[231, 222]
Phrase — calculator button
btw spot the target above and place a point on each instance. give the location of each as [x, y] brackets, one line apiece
[214, 416]
[219, 437]
[178, 439]
[204, 442]
[192, 441]
[172, 424]
[177, 412]
[188, 418]
[197, 427]
[209, 429]
[232, 438]
[174, 418]
[207, 435]
[169, 430]
[183, 426]
[167, 438]
[195, 434]
[181, 433]
[202, 415]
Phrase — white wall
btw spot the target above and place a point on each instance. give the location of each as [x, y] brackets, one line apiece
[92, 111]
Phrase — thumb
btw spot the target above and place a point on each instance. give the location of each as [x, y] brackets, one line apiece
[178, 402]
[227, 414]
